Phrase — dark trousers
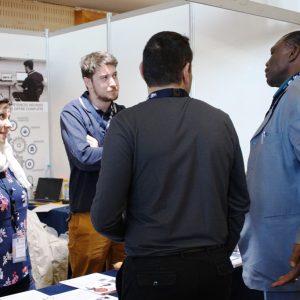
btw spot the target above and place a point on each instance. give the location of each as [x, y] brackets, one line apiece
[204, 274]
[21, 286]
[20, 96]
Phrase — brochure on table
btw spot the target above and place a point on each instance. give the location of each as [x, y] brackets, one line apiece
[96, 282]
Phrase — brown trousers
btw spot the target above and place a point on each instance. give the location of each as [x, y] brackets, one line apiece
[89, 251]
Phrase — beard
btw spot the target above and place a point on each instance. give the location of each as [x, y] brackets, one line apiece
[109, 96]
[107, 99]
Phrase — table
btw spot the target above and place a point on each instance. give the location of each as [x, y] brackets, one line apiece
[61, 288]
[57, 218]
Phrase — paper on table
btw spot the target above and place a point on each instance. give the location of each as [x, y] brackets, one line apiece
[96, 282]
[47, 207]
[29, 295]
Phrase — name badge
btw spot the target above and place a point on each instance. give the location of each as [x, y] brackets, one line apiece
[19, 247]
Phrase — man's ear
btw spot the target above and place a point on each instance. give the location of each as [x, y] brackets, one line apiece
[142, 70]
[295, 51]
[186, 73]
[87, 82]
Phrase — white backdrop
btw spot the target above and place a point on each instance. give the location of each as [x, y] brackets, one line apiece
[66, 84]
[230, 51]
[23, 45]
[129, 36]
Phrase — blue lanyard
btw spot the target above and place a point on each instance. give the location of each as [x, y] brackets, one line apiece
[167, 93]
[279, 93]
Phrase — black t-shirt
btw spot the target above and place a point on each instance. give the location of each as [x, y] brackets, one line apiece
[33, 86]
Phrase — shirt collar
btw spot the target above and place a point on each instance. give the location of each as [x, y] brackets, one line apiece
[285, 84]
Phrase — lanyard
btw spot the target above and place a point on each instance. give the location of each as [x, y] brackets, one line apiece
[280, 92]
[113, 111]
[166, 93]
[103, 123]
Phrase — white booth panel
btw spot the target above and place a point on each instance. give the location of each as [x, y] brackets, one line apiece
[22, 46]
[129, 37]
[65, 82]
[231, 50]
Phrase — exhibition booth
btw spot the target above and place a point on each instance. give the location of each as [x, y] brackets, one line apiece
[231, 42]
[230, 45]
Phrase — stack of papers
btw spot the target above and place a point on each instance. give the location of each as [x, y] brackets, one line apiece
[98, 283]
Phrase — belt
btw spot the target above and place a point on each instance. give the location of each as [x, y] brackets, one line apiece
[189, 253]
[200, 250]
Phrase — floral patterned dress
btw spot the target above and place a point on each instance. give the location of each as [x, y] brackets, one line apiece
[13, 212]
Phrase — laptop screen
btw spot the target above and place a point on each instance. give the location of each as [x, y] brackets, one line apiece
[20, 76]
[48, 189]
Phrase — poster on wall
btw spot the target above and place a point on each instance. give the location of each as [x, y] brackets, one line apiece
[23, 81]
[30, 139]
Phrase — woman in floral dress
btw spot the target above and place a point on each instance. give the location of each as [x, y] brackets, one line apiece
[14, 258]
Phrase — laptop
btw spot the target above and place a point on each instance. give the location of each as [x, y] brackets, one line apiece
[47, 190]
[20, 76]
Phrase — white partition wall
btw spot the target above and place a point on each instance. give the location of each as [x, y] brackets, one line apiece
[231, 50]
[29, 135]
[65, 52]
[129, 33]
[23, 45]
[129, 36]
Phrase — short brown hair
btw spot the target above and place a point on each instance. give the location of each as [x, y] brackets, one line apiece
[90, 62]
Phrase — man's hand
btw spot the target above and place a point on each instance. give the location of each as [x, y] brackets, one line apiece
[92, 141]
[117, 265]
[293, 275]
[18, 87]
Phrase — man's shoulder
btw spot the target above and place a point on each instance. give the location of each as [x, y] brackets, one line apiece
[35, 75]
[293, 90]
[72, 106]
[206, 109]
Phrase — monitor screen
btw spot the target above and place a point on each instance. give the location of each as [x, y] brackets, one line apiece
[20, 76]
[48, 189]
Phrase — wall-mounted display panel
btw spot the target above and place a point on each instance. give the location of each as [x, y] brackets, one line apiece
[29, 135]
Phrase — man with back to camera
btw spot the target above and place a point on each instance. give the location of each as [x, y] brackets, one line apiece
[33, 85]
[84, 122]
[181, 194]
[270, 240]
